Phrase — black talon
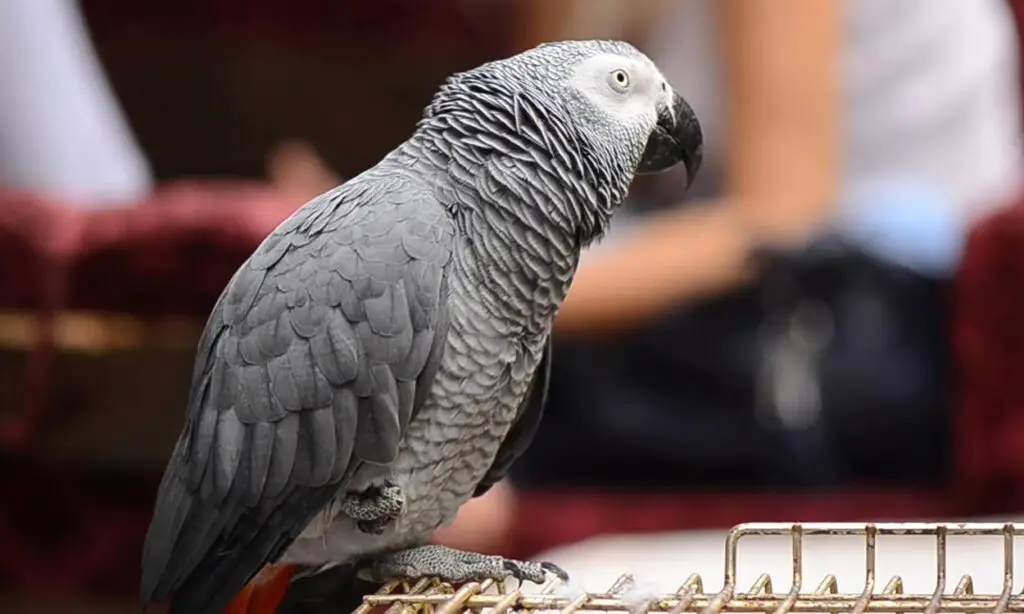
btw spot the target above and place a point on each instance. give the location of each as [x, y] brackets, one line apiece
[516, 571]
[556, 570]
[371, 527]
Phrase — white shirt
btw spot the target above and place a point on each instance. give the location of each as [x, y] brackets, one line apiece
[930, 93]
[61, 129]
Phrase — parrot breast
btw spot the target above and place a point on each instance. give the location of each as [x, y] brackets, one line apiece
[448, 447]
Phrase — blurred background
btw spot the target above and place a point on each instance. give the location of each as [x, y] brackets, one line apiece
[829, 325]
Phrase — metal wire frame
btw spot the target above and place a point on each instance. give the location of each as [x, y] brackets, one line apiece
[432, 597]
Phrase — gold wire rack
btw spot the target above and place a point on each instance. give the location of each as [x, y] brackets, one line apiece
[432, 597]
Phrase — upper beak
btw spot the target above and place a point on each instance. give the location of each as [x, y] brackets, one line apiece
[676, 138]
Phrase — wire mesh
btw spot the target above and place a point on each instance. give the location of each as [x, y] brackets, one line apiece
[433, 597]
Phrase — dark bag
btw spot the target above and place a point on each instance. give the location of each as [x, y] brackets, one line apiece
[829, 372]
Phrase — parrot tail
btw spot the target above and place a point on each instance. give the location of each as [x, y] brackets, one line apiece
[264, 593]
[290, 589]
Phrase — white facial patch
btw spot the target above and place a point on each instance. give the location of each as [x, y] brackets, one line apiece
[597, 79]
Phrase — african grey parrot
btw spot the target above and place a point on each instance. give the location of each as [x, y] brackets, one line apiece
[383, 355]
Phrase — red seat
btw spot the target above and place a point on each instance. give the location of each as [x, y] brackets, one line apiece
[170, 254]
[988, 337]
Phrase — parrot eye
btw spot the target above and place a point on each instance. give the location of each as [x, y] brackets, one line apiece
[619, 80]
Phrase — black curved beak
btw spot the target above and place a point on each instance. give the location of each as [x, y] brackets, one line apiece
[677, 138]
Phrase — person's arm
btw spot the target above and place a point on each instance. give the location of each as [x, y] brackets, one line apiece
[782, 150]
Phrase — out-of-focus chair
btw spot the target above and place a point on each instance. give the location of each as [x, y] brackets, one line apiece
[988, 330]
[99, 314]
[988, 338]
[94, 280]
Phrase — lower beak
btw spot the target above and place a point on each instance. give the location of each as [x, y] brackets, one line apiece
[676, 138]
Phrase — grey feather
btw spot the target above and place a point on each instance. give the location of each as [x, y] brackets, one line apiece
[524, 428]
[346, 419]
[292, 385]
[379, 425]
[282, 458]
[262, 447]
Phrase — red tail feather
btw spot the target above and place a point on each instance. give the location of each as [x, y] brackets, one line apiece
[264, 592]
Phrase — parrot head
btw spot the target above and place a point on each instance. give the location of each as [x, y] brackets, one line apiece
[564, 127]
[603, 98]
[616, 87]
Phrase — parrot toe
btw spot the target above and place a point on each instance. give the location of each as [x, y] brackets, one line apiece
[374, 527]
[535, 572]
[525, 571]
[456, 566]
[376, 508]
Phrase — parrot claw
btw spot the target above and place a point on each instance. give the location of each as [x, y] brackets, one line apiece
[376, 508]
[534, 572]
[555, 570]
[373, 527]
[456, 566]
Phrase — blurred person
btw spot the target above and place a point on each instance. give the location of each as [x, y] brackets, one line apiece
[62, 131]
[856, 139]
[298, 171]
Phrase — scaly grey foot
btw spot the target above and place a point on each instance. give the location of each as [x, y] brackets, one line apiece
[451, 565]
[375, 508]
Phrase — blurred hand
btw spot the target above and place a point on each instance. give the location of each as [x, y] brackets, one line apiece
[297, 169]
[484, 524]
